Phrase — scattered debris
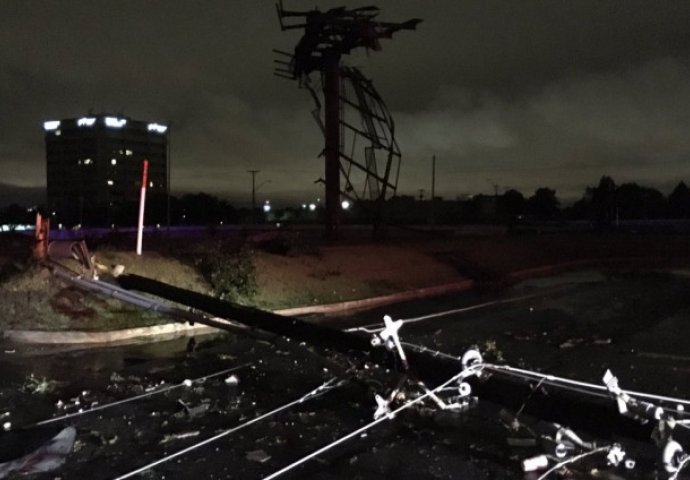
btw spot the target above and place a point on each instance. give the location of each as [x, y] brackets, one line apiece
[200, 409]
[572, 342]
[51, 455]
[179, 436]
[39, 386]
[103, 438]
[259, 456]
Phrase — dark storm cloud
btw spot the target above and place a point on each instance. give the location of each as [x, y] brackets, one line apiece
[524, 93]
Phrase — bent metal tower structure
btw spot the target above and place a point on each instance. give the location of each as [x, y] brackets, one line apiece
[360, 145]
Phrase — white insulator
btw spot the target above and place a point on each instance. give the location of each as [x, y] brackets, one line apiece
[561, 450]
[464, 389]
[670, 456]
[535, 463]
[470, 358]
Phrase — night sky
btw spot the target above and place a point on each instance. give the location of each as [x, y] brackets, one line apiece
[520, 94]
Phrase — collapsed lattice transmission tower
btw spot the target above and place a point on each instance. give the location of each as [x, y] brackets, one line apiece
[359, 132]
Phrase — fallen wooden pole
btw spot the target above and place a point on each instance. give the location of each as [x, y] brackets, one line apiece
[589, 413]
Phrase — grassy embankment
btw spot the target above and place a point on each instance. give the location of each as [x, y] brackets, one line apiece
[297, 275]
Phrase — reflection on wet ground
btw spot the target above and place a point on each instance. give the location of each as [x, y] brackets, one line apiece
[576, 325]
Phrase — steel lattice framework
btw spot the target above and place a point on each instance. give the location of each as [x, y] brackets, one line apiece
[359, 131]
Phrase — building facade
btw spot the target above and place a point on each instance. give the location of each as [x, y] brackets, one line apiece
[94, 169]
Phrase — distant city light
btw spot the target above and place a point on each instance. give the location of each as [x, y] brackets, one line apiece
[113, 161]
[304, 206]
[88, 161]
[115, 122]
[267, 206]
[151, 184]
[157, 127]
[312, 207]
[345, 204]
[86, 121]
[128, 152]
[16, 228]
[51, 125]
[110, 182]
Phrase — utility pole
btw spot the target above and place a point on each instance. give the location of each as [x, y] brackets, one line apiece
[253, 172]
[495, 185]
[331, 93]
[168, 168]
[433, 190]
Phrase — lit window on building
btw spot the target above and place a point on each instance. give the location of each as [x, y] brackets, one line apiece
[86, 121]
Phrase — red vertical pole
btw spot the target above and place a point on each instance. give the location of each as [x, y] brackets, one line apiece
[142, 202]
[331, 90]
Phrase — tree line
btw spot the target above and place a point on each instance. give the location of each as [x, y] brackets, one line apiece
[604, 204]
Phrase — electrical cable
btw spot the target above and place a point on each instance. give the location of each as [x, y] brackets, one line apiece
[139, 397]
[560, 382]
[317, 392]
[574, 459]
[473, 370]
[377, 327]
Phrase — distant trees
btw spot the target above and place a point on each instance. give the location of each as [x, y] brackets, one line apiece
[203, 209]
[636, 202]
[511, 204]
[679, 202]
[544, 204]
[607, 204]
[14, 215]
[602, 202]
[604, 205]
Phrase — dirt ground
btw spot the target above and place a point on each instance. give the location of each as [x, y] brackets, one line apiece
[346, 273]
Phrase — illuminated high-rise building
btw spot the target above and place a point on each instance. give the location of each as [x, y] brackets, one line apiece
[94, 169]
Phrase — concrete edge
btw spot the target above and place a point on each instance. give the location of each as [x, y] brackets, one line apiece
[180, 329]
[380, 301]
[108, 337]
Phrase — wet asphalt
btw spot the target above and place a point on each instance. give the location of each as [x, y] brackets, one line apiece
[575, 325]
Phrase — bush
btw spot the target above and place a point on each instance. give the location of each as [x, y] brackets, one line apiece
[231, 275]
